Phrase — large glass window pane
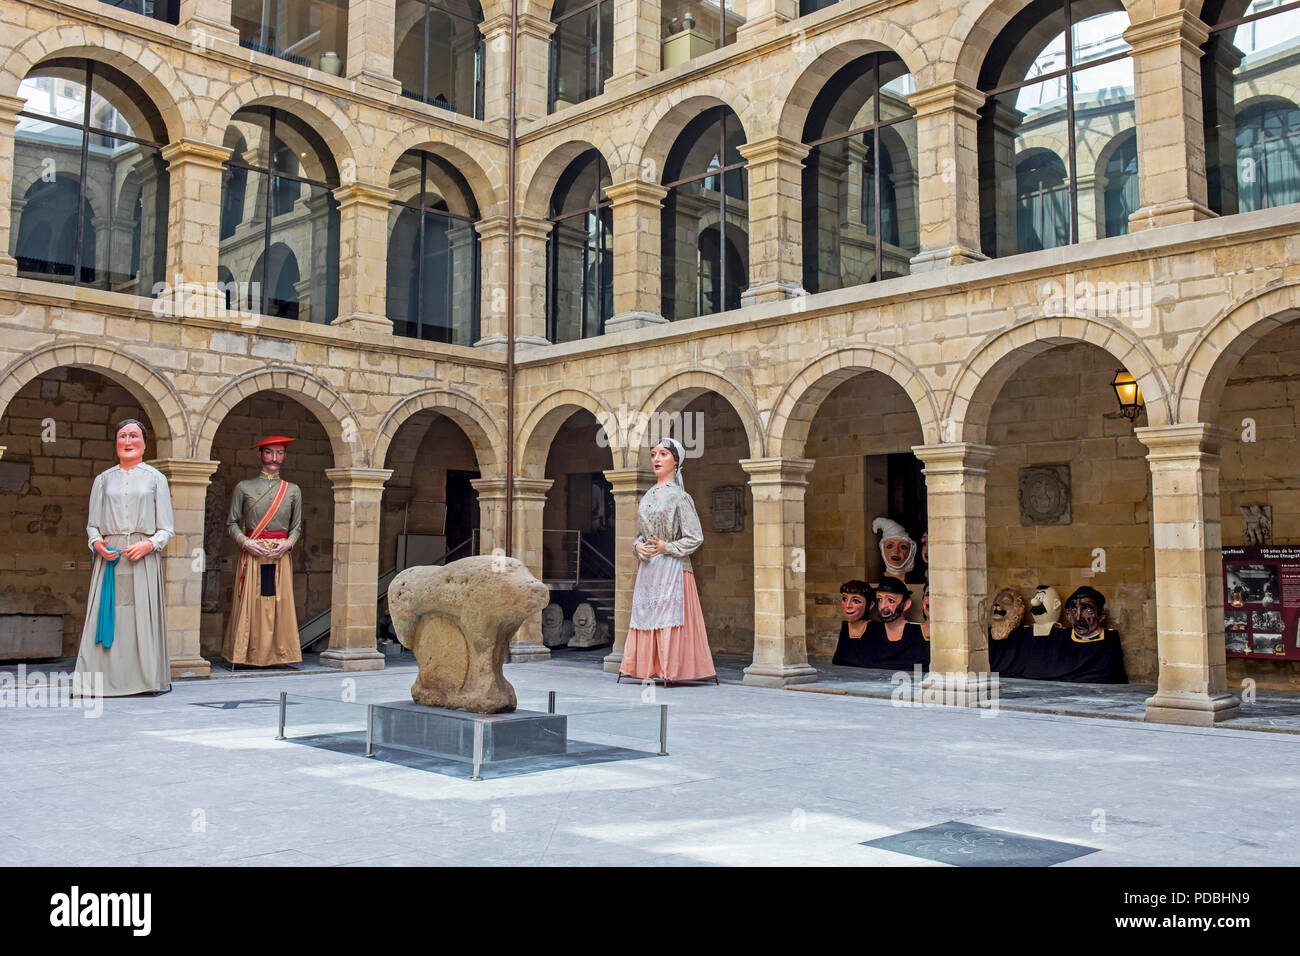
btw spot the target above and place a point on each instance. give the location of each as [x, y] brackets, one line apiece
[580, 251]
[576, 62]
[48, 204]
[242, 245]
[1103, 111]
[438, 53]
[301, 276]
[1250, 74]
[168, 11]
[897, 198]
[689, 28]
[309, 32]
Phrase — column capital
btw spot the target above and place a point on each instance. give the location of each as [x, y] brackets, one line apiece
[359, 480]
[488, 487]
[528, 227]
[635, 191]
[194, 151]
[531, 489]
[953, 95]
[530, 25]
[10, 106]
[1170, 29]
[962, 457]
[774, 149]
[629, 480]
[785, 472]
[364, 194]
[492, 227]
[186, 471]
[1169, 443]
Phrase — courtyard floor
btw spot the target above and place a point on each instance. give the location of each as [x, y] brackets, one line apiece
[753, 776]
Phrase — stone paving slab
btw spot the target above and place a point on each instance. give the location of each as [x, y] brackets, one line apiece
[753, 776]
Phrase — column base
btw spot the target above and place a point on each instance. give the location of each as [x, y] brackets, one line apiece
[365, 322]
[377, 81]
[527, 652]
[208, 34]
[190, 668]
[624, 80]
[1169, 214]
[773, 290]
[760, 25]
[928, 260]
[353, 659]
[1192, 710]
[8, 266]
[497, 342]
[632, 320]
[613, 662]
[779, 675]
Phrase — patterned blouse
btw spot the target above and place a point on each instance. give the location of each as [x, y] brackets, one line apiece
[667, 512]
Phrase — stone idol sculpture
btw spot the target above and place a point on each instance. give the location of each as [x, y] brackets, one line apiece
[458, 620]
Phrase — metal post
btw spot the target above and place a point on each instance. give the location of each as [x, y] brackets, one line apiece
[370, 730]
[478, 749]
[663, 730]
[283, 696]
[550, 702]
[577, 574]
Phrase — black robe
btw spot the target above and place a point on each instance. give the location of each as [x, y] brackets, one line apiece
[1059, 655]
[875, 649]
[1004, 655]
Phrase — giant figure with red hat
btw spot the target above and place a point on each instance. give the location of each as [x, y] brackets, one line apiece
[266, 522]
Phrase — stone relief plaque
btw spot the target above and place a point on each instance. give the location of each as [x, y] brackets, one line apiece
[727, 508]
[1045, 495]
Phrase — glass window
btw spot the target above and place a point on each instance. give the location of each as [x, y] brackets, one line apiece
[90, 188]
[812, 6]
[689, 28]
[1250, 88]
[433, 264]
[860, 177]
[1059, 80]
[580, 252]
[705, 231]
[279, 231]
[310, 32]
[438, 55]
[168, 11]
[582, 50]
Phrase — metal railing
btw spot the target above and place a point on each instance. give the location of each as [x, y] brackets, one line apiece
[568, 556]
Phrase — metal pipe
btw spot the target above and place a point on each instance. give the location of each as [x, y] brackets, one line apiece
[511, 148]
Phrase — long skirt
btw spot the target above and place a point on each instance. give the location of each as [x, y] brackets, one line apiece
[137, 662]
[672, 653]
[263, 625]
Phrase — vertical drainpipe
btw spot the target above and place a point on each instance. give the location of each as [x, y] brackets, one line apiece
[510, 285]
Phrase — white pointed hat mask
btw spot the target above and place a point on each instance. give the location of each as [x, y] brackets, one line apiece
[891, 530]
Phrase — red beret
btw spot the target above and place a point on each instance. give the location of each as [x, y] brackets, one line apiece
[274, 440]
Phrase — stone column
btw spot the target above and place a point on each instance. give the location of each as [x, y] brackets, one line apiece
[530, 500]
[492, 513]
[947, 176]
[629, 485]
[532, 69]
[493, 254]
[637, 208]
[209, 24]
[9, 108]
[194, 215]
[363, 257]
[955, 476]
[1170, 130]
[355, 597]
[372, 26]
[1193, 685]
[637, 42]
[182, 579]
[775, 170]
[530, 281]
[780, 645]
[764, 16]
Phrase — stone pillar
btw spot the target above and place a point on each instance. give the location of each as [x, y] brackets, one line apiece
[764, 16]
[492, 513]
[775, 170]
[629, 485]
[637, 208]
[530, 500]
[532, 69]
[530, 281]
[780, 646]
[955, 476]
[947, 176]
[493, 254]
[1170, 131]
[9, 107]
[1192, 687]
[637, 42]
[194, 214]
[182, 580]
[363, 257]
[355, 597]
[209, 24]
[372, 26]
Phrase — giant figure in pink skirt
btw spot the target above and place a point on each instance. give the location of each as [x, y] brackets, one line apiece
[667, 639]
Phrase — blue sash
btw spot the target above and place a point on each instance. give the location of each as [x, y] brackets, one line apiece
[107, 598]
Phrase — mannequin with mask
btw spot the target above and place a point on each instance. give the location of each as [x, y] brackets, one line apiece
[899, 551]
[666, 638]
[1081, 650]
[893, 642]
